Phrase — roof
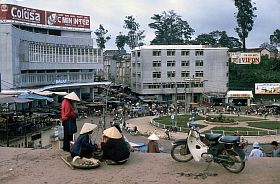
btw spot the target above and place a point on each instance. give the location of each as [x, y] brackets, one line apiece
[147, 47]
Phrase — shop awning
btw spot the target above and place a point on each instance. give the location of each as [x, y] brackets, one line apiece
[239, 94]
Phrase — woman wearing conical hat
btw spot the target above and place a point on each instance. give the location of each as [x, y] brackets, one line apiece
[114, 146]
[68, 117]
[83, 147]
[153, 144]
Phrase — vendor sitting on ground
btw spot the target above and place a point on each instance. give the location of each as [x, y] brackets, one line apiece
[114, 146]
[83, 147]
[153, 144]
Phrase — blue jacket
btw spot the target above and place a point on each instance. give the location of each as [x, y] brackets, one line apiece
[83, 147]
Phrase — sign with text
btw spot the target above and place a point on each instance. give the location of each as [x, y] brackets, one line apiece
[67, 20]
[22, 14]
[246, 58]
[267, 88]
[35, 16]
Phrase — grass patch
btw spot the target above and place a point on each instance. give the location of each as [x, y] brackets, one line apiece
[182, 120]
[239, 118]
[243, 131]
[271, 125]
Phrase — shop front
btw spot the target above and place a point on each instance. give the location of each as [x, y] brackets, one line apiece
[239, 98]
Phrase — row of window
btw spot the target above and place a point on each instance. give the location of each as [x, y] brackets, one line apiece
[40, 52]
[171, 52]
[171, 85]
[173, 63]
[173, 74]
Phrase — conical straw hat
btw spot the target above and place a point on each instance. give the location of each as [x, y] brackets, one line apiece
[113, 133]
[72, 96]
[153, 137]
[87, 127]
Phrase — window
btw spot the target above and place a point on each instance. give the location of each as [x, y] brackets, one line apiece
[170, 52]
[133, 54]
[199, 63]
[185, 63]
[138, 54]
[185, 52]
[156, 63]
[199, 53]
[185, 74]
[138, 64]
[170, 63]
[139, 74]
[156, 53]
[156, 74]
[154, 86]
[199, 73]
[198, 85]
[171, 74]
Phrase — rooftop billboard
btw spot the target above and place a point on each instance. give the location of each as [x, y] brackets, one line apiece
[35, 16]
[246, 58]
[267, 88]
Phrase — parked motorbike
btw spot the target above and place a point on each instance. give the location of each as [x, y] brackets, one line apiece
[224, 150]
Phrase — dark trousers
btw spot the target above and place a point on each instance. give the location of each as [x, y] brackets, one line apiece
[68, 137]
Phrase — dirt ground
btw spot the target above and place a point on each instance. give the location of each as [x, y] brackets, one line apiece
[45, 166]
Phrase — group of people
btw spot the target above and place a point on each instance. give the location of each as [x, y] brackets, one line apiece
[257, 151]
[113, 144]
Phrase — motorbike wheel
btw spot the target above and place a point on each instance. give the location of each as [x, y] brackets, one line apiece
[235, 164]
[181, 153]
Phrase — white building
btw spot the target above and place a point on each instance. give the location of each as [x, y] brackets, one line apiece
[196, 69]
[39, 48]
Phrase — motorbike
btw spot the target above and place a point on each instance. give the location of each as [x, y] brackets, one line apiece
[224, 150]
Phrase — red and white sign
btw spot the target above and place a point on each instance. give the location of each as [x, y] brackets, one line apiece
[30, 15]
[23, 14]
[67, 20]
[246, 58]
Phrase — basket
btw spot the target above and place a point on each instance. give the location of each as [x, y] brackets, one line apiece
[85, 163]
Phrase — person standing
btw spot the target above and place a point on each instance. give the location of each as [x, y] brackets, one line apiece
[68, 117]
[256, 152]
[275, 150]
[153, 144]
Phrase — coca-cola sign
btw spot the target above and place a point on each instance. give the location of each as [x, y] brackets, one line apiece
[22, 14]
[30, 15]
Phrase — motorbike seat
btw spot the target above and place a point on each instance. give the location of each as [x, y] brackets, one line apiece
[230, 139]
[212, 137]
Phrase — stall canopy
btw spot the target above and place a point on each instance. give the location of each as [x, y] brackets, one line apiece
[34, 96]
[48, 93]
[13, 100]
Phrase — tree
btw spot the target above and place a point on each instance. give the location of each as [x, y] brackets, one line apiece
[101, 36]
[121, 41]
[134, 36]
[275, 38]
[217, 39]
[245, 19]
[170, 29]
[269, 47]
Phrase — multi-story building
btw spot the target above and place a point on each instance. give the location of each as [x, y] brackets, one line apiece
[124, 70]
[39, 48]
[185, 71]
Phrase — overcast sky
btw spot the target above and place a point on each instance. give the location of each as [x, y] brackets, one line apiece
[203, 16]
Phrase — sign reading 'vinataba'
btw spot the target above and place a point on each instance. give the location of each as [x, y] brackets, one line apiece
[246, 58]
[267, 88]
[9, 12]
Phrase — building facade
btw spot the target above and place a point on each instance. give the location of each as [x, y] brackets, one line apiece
[124, 70]
[39, 48]
[184, 72]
